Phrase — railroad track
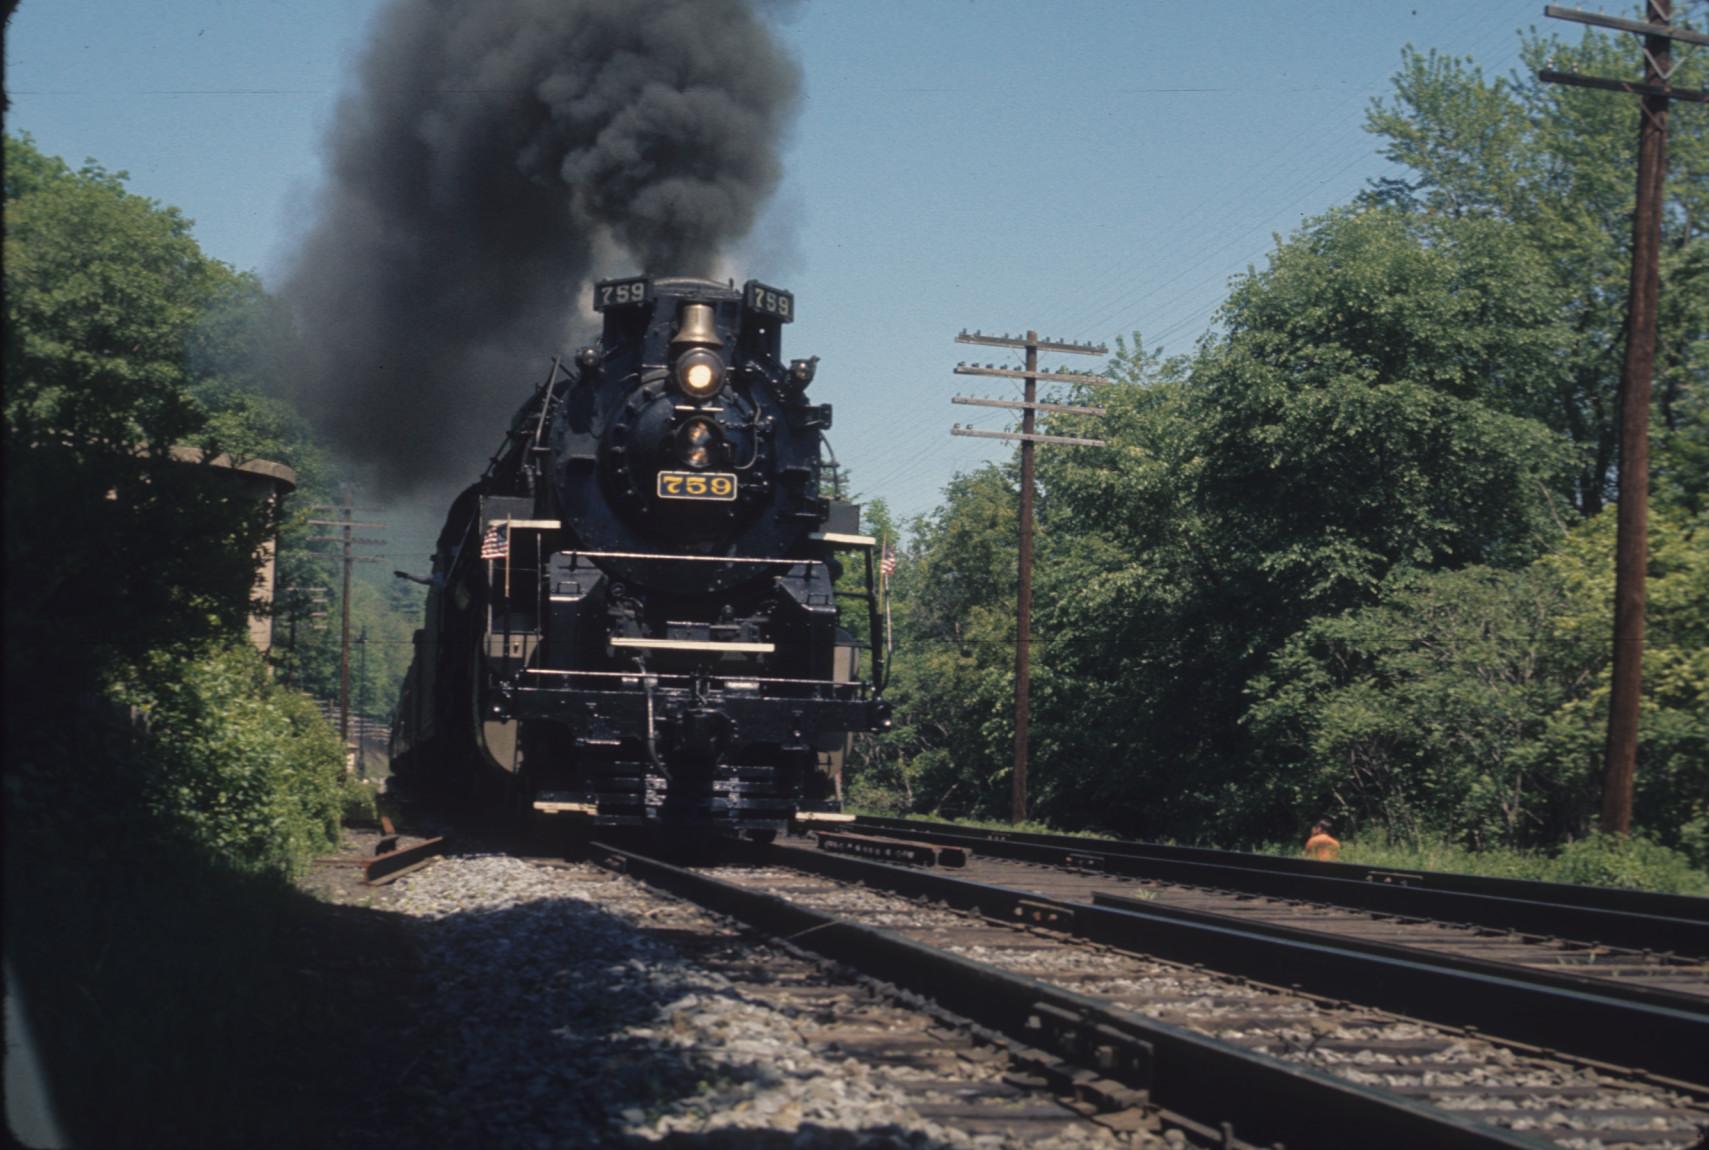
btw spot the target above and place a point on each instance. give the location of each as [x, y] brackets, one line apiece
[1634, 941]
[568, 1009]
[921, 1058]
[1288, 1041]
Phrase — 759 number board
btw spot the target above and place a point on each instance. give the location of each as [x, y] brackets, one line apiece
[713, 486]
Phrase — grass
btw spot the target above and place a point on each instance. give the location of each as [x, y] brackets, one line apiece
[1634, 863]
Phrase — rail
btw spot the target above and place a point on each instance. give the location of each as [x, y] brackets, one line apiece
[1640, 920]
[1179, 1070]
[1667, 1040]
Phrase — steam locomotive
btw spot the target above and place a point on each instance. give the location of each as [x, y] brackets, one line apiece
[633, 616]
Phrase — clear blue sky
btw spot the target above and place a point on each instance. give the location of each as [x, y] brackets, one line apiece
[1084, 168]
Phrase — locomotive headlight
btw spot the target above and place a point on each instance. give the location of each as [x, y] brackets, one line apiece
[699, 373]
[695, 443]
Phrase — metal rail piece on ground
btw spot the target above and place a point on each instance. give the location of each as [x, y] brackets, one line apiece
[395, 864]
[891, 850]
[1178, 1070]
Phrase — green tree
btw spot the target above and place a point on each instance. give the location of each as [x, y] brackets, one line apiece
[1556, 165]
[103, 289]
[1354, 418]
[1472, 704]
[951, 679]
[130, 565]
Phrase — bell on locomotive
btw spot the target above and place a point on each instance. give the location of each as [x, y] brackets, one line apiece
[644, 612]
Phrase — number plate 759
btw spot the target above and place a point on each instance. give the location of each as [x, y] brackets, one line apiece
[719, 486]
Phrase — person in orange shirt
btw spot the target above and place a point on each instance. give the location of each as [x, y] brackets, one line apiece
[1320, 845]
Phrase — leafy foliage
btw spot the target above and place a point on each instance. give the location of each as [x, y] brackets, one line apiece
[244, 768]
[1552, 165]
[160, 783]
[136, 567]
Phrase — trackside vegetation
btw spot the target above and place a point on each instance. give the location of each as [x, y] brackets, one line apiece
[1352, 556]
[163, 783]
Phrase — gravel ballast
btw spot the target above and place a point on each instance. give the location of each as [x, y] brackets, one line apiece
[571, 1007]
[1288, 1026]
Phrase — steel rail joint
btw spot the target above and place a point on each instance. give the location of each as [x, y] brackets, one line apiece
[1186, 1072]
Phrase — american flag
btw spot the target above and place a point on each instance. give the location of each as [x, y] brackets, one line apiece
[495, 544]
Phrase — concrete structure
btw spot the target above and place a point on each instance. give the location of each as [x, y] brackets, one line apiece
[266, 480]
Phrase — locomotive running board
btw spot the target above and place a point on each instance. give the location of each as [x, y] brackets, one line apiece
[783, 560]
[697, 645]
[840, 539]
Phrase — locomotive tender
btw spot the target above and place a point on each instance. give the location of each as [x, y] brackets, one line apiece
[632, 616]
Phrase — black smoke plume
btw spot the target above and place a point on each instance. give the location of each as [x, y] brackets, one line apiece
[491, 158]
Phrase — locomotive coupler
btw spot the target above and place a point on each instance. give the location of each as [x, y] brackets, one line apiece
[703, 733]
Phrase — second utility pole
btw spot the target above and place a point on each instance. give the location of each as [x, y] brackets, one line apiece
[1631, 546]
[346, 524]
[1030, 407]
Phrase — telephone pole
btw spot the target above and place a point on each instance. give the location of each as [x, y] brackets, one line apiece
[346, 523]
[1631, 548]
[1029, 408]
[362, 702]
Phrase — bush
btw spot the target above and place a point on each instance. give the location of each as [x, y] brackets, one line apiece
[356, 802]
[1636, 862]
[242, 768]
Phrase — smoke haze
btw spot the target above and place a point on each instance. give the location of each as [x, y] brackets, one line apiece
[490, 160]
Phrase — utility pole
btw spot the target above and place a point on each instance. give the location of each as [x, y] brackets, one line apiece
[1028, 436]
[362, 701]
[346, 523]
[1631, 548]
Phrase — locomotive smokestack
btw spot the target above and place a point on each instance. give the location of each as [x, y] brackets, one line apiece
[486, 159]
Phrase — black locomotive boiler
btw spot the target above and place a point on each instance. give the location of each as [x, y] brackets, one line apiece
[633, 615]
